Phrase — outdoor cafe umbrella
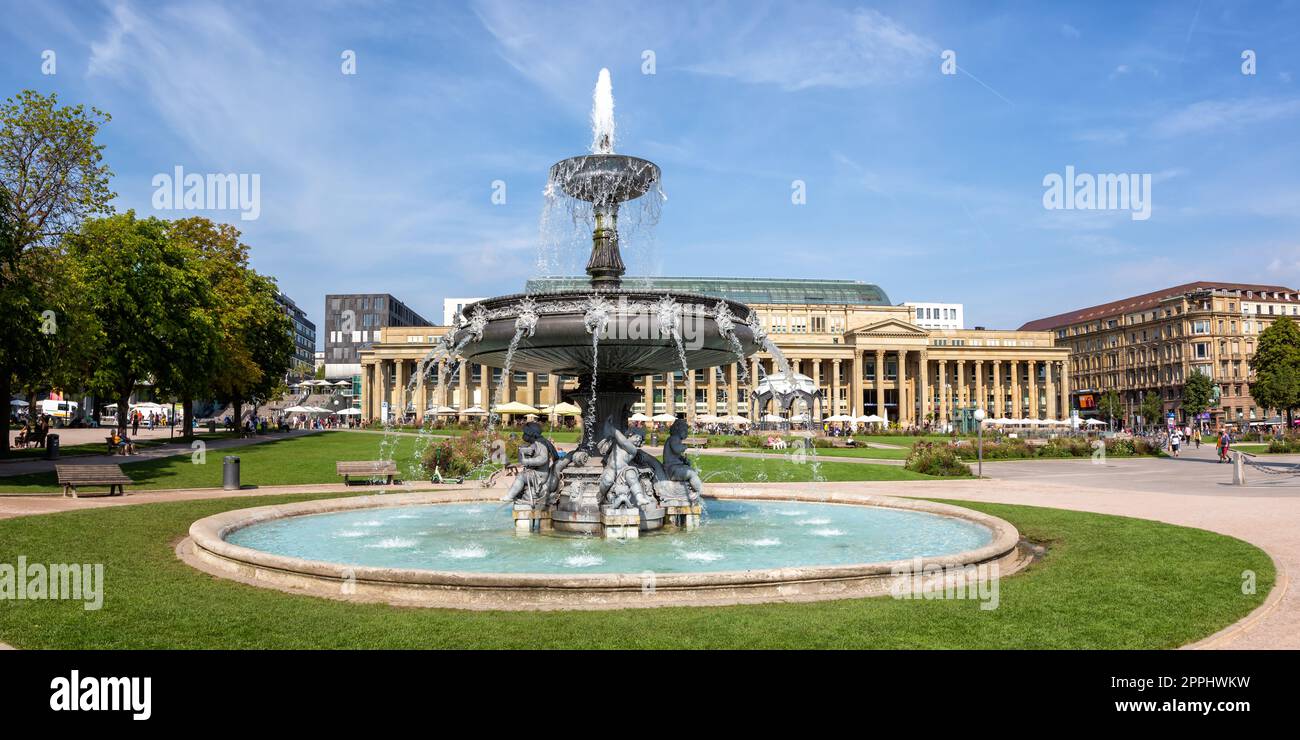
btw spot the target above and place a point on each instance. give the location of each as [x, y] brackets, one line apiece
[439, 410]
[514, 407]
[661, 418]
[474, 411]
[638, 416]
[349, 411]
[298, 410]
[706, 419]
[737, 419]
[562, 408]
[773, 418]
[839, 418]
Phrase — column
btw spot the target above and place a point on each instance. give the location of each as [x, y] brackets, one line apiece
[733, 385]
[485, 387]
[670, 393]
[855, 384]
[904, 401]
[1016, 407]
[649, 395]
[690, 396]
[712, 393]
[530, 389]
[1048, 369]
[1065, 390]
[835, 386]
[398, 404]
[923, 389]
[981, 400]
[880, 384]
[944, 398]
[960, 371]
[1032, 379]
[817, 383]
[999, 396]
[463, 372]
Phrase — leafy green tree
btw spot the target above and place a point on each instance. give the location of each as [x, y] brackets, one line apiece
[51, 167]
[1277, 367]
[51, 177]
[1110, 406]
[1197, 392]
[1151, 409]
[143, 298]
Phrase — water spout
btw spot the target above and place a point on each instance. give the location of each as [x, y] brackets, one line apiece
[602, 115]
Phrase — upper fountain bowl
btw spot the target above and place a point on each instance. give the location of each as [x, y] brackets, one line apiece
[605, 178]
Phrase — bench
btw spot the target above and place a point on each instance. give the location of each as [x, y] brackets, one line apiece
[696, 441]
[842, 442]
[119, 449]
[72, 476]
[366, 469]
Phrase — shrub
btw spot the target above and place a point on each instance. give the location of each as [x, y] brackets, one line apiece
[460, 456]
[936, 459]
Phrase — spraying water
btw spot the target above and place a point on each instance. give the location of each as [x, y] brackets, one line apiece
[602, 115]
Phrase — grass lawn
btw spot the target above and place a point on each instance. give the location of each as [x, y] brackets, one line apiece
[1106, 582]
[722, 469]
[870, 453]
[98, 448]
[311, 458]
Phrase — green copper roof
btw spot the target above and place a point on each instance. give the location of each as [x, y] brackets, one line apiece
[745, 290]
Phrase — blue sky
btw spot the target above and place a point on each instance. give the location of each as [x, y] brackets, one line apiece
[928, 184]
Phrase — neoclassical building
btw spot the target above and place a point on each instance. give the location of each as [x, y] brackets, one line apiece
[865, 356]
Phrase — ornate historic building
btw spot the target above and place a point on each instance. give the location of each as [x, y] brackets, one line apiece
[863, 354]
[1150, 343]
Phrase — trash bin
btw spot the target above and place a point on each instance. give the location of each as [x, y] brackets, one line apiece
[212, 426]
[230, 473]
[51, 447]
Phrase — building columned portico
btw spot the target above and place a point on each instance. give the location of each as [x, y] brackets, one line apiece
[863, 358]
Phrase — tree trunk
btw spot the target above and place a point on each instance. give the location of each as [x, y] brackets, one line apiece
[122, 409]
[187, 416]
[237, 407]
[6, 387]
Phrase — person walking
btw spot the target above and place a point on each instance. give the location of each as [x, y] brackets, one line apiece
[1175, 441]
[1196, 437]
[135, 424]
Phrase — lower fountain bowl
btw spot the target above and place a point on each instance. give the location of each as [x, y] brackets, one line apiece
[632, 343]
[814, 560]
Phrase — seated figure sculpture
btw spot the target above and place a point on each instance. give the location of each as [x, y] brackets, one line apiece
[536, 456]
[677, 466]
[620, 482]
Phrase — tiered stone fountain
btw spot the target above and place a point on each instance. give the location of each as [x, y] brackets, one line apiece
[606, 337]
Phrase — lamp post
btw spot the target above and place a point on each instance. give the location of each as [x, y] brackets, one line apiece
[979, 427]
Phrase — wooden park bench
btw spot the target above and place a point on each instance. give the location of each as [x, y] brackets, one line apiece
[366, 469]
[696, 441]
[72, 476]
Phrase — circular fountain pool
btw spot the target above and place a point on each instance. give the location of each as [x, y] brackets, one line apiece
[737, 535]
[449, 549]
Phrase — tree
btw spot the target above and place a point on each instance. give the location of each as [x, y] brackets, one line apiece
[1277, 367]
[1150, 409]
[1110, 406]
[51, 167]
[142, 299]
[1197, 392]
[51, 177]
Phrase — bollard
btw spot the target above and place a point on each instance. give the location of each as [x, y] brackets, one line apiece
[230, 473]
[1238, 469]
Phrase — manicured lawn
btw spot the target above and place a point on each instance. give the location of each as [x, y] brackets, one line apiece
[282, 461]
[97, 448]
[1106, 582]
[723, 469]
[870, 453]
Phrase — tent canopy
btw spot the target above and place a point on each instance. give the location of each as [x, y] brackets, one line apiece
[514, 407]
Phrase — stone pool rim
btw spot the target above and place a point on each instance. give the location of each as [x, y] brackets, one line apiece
[207, 549]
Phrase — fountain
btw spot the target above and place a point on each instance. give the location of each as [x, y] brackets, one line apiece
[451, 549]
[607, 337]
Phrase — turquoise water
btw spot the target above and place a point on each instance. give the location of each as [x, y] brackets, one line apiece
[737, 535]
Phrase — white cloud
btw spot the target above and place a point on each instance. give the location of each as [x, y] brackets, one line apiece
[1208, 116]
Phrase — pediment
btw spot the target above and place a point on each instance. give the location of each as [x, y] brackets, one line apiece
[889, 328]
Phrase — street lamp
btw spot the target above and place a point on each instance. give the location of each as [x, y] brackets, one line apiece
[979, 426]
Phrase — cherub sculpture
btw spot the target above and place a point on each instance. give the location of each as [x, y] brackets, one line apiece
[536, 457]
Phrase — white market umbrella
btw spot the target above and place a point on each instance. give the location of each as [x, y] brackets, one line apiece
[773, 418]
[734, 420]
[1095, 422]
[474, 411]
[298, 410]
[514, 407]
[350, 412]
[440, 410]
[706, 419]
[799, 417]
[663, 418]
[639, 417]
[839, 418]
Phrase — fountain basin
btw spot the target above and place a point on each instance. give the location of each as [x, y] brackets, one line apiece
[632, 344]
[633, 576]
[605, 179]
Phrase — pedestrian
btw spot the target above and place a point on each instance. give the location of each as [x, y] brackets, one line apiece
[1196, 437]
[1175, 441]
[135, 424]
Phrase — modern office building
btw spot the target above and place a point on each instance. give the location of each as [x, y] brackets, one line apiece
[453, 306]
[354, 321]
[1150, 343]
[864, 354]
[303, 364]
[937, 315]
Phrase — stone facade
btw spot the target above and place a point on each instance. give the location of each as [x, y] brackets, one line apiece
[927, 374]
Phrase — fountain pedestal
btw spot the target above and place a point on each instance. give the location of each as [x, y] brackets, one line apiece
[683, 517]
[620, 524]
[529, 520]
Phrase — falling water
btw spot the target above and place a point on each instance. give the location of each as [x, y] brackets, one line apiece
[726, 322]
[670, 322]
[595, 318]
[525, 325]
